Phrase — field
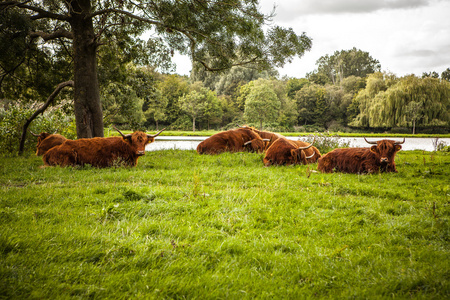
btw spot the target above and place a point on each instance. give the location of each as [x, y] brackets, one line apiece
[185, 226]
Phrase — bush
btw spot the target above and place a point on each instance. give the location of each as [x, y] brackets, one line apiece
[13, 117]
[326, 143]
[439, 145]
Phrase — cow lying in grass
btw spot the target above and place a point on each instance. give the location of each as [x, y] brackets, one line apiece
[378, 158]
[234, 140]
[46, 141]
[288, 152]
[100, 152]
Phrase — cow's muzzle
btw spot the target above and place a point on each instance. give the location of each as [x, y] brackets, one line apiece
[384, 160]
[140, 152]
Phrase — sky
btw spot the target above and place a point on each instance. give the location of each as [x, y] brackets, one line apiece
[405, 36]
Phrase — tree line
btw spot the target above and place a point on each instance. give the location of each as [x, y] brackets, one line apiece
[348, 91]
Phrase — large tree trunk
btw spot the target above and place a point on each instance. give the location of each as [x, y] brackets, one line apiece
[88, 109]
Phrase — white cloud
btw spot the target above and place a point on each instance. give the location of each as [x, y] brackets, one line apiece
[406, 36]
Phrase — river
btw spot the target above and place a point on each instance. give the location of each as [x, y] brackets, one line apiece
[191, 142]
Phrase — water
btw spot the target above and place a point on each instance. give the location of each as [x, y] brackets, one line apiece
[191, 142]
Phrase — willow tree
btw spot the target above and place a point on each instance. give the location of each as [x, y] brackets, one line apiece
[215, 34]
[411, 101]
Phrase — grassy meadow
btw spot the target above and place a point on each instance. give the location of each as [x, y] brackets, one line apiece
[185, 226]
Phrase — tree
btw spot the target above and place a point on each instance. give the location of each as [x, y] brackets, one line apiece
[345, 63]
[212, 112]
[172, 88]
[413, 110]
[446, 74]
[311, 105]
[261, 104]
[420, 101]
[216, 34]
[196, 102]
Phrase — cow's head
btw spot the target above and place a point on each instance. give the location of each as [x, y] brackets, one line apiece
[45, 141]
[300, 156]
[138, 140]
[41, 137]
[256, 145]
[385, 150]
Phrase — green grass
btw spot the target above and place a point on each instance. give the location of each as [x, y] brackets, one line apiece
[181, 225]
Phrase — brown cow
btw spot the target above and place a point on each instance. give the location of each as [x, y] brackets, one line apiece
[379, 158]
[234, 140]
[312, 153]
[46, 141]
[287, 152]
[100, 152]
[266, 135]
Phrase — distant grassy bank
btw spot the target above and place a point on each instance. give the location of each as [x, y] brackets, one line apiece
[185, 226]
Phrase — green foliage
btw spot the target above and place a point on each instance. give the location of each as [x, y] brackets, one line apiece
[408, 101]
[326, 143]
[181, 225]
[13, 117]
[261, 104]
[346, 63]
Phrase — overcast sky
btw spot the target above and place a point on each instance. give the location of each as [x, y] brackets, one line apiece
[406, 36]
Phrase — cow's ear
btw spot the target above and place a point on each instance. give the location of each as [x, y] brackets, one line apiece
[127, 138]
[398, 148]
[373, 149]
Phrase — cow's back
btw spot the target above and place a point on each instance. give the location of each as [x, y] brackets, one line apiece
[98, 152]
[348, 160]
[279, 153]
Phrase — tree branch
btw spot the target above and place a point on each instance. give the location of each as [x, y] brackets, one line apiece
[41, 12]
[41, 110]
[51, 36]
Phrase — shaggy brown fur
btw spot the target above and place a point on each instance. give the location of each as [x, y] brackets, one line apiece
[286, 152]
[100, 152]
[46, 141]
[379, 158]
[234, 140]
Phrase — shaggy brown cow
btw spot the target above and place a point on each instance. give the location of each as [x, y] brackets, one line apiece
[312, 153]
[266, 135]
[379, 158]
[287, 152]
[234, 140]
[46, 141]
[100, 152]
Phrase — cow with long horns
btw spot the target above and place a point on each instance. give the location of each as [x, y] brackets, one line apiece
[269, 136]
[288, 152]
[101, 152]
[46, 141]
[234, 140]
[378, 158]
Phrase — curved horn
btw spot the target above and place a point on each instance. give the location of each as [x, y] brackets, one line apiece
[308, 157]
[156, 134]
[306, 147]
[267, 140]
[123, 135]
[246, 143]
[373, 143]
[36, 135]
[398, 143]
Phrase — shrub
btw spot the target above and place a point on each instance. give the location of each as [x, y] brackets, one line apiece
[326, 143]
[13, 117]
